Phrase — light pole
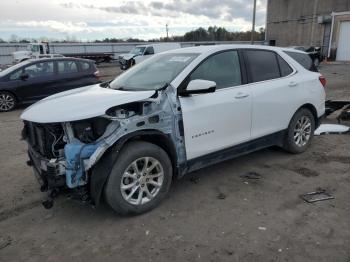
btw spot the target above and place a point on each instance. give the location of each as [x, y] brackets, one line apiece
[167, 32]
[253, 24]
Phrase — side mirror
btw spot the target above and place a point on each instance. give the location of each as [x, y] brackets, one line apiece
[200, 86]
[24, 76]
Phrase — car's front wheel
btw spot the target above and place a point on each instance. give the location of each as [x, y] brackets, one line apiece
[300, 131]
[139, 180]
[7, 101]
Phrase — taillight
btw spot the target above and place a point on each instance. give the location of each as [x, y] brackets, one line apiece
[97, 74]
[323, 80]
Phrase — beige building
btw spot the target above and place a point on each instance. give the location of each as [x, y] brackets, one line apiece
[323, 23]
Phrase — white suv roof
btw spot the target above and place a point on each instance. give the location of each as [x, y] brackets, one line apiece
[212, 48]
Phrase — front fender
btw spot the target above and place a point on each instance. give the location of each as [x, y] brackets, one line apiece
[102, 169]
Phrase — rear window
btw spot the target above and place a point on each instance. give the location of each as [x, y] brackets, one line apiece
[85, 66]
[303, 59]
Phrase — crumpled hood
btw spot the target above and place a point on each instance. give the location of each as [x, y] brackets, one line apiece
[128, 56]
[21, 54]
[80, 103]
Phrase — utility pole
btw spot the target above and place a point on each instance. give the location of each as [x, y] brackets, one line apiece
[253, 24]
[167, 32]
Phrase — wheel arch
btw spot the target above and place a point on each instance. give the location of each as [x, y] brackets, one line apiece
[12, 93]
[101, 171]
[313, 110]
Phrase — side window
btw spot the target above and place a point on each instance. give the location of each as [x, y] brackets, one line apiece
[284, 67]
[67, 67]
[85, 66]
[39, 70]
[16, 75]
[263, 65]
[149, 51]
[303, 59]
[223, 68]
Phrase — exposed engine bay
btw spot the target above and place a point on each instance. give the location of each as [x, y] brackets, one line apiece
[63, 155]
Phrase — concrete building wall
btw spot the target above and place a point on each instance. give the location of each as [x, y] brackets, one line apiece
[299, 23]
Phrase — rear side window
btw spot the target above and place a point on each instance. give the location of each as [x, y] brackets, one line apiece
[223, 68]
[284, 67]
[263, 65]
[85, 66]
[67, 66]
[303, 59]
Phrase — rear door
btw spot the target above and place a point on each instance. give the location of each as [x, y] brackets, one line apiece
[222, 119]
[68, 75]
[274, 89]
[39, 81]
[89, 73]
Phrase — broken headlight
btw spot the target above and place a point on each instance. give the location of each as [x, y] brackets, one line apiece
[89, 130]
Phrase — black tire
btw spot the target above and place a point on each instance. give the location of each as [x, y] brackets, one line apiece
[130, 153]
[7, 101]
[290, 143]
[317, 62]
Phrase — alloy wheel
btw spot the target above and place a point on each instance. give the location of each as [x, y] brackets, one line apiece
[302, 131]
[7, 102]
[142, 180]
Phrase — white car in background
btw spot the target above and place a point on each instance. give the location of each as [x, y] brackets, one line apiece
[142, 52]
[177, 112]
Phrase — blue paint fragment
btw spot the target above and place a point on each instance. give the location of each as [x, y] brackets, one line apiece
[75, 153]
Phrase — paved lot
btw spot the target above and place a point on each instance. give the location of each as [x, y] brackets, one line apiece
[211, 215]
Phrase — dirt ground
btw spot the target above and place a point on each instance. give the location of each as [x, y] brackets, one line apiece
[211, 215]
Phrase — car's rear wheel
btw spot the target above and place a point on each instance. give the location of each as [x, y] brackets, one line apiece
[300, 131]
[139, 180]
[7, 101]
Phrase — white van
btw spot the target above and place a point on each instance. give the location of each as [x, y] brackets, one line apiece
[142, 52]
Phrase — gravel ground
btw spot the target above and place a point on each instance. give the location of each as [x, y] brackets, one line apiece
[211, 215]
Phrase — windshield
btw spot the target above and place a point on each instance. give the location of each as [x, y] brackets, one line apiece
[13, 68]
[154, 73]
[138, 50]
[33, 48]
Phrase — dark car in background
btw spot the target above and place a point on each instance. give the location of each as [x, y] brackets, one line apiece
[313, 51]
[33, 80]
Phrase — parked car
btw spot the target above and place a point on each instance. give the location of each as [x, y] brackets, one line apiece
[175, 113]
[32, 80]
[313, 51]
[143, 52]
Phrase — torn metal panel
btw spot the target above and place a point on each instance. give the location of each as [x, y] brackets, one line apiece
[332, 129]
[319, 195]
[165, 108]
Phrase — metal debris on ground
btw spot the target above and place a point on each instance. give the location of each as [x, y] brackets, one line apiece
[221, 196]
[251, 175]
[318, 195]
[5, 241]
[339, 110]
[332, 129]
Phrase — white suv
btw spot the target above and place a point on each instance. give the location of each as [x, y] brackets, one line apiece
[175, 113]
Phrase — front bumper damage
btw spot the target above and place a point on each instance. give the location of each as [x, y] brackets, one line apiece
[80, 169]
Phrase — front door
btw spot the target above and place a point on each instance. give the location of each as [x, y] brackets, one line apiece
[222, 119]
[38, 82]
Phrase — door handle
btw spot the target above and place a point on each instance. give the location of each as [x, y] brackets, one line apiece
[291, 84]
[241, 95]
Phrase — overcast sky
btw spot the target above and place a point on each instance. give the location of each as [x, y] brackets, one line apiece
[146, 19]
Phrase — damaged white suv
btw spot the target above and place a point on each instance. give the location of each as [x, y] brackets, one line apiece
[177, 112]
